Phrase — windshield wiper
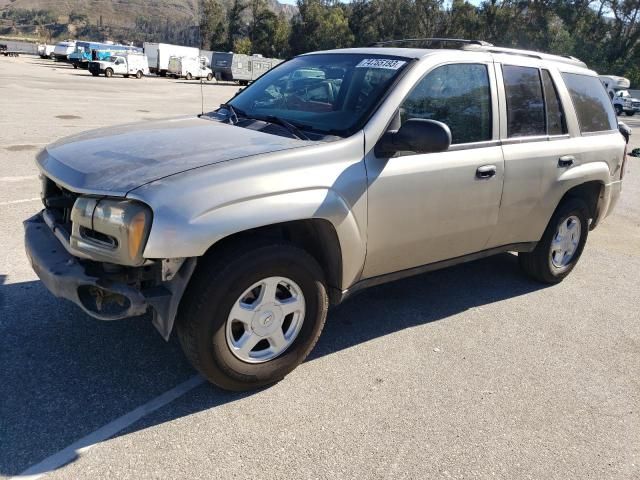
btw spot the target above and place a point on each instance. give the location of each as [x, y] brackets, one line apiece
[299, 134]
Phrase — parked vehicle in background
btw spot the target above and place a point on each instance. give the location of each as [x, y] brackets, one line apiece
[4, 50]
[618, 91]
[333, 172]
[158, 55]
[62, 50]
[45, 50]
[86, 52]
[130, 64]
[189, 68]
[236, 67]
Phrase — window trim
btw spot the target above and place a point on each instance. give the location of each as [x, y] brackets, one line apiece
[557, 95]
[493, 104]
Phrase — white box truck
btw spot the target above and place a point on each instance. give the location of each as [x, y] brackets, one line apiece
[618, 90]
[190, 68]
[158, 55]
[131, 64]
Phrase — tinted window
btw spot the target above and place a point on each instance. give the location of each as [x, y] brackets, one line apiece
[591, 102]
[324, 93]
[555, 116]
[458, 95]
[525, 108]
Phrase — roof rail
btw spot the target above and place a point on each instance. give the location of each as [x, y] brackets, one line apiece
[461, 41]
[529, 53]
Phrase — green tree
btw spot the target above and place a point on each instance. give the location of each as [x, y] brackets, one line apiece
[212, 25]
[236, 27]
[243, 45]
[320, 25]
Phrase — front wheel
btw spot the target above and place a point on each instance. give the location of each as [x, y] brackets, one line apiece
[252, 314]
[618, 109]
[630, 114]
[209, 77]
[561, 245]
[189, 76]
[108, 73]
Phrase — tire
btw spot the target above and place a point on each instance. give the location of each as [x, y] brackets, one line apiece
[108, 73]
[95, 74]
[139, 74]
[209, 77]
[75, 66]
[188, 76]
[206, 328]
[541, 264]
[630, 114]
[618, 109]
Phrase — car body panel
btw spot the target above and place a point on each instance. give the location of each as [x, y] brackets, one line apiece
[116, 160]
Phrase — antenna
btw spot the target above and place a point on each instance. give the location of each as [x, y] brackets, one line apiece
[201, 95]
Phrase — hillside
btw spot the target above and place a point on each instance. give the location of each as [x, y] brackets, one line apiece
[123, 13]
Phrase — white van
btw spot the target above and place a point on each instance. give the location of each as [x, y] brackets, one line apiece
[189, 68]
[618, 91]
[134, 64]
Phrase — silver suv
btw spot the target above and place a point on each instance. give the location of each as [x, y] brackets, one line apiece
[333, 172]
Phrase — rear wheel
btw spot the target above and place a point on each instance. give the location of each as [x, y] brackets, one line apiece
[139, 74]
[126, 75]
[559, 250]
[253, 314]
[95, 74]
[209, 77]
[630, 114]
[108, 73]
[188, 76]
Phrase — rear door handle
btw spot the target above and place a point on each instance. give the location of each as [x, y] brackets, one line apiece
[486, 171]
[566, 161]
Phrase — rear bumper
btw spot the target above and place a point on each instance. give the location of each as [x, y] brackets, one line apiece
[66, 277]
[607, 202]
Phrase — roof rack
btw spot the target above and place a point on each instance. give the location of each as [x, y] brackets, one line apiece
[529, 53]
[460, 41]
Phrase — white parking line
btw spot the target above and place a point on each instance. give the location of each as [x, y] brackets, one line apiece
[74, 450]
[13, 202]
[18, 178]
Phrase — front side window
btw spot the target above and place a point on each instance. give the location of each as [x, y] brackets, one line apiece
[593, 107]
[326, 93]
[458, 95]
[525, 106]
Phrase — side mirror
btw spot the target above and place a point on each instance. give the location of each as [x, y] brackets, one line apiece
[415, 135]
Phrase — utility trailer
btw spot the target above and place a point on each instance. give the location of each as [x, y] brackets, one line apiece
[8, 53]
[237, 67]
[158, 55]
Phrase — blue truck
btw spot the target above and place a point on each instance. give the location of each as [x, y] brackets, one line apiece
[86, 52]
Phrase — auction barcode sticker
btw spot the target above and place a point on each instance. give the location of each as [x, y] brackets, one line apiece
[381, 63]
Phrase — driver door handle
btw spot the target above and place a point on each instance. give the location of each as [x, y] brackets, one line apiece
[486, 171]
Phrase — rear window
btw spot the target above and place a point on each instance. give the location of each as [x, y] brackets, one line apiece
[591, 102]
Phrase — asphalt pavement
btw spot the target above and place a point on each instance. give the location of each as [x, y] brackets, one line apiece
[470, 372]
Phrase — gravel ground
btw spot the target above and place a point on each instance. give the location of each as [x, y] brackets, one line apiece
[469, 372]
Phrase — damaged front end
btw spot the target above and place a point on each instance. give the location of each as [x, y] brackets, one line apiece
[80, 255]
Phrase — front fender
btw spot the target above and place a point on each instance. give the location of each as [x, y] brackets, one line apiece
[194, 210]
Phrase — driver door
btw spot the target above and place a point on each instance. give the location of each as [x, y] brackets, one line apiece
[425, 208]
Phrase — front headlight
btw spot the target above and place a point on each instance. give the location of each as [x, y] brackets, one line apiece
[110, 230]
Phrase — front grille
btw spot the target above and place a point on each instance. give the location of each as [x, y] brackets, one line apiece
[58, 201]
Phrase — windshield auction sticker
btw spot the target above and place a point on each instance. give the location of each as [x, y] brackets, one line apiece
[381, 63]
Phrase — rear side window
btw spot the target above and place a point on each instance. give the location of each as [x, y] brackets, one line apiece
[556, 124]
[591, 102]
[458, 95]
[525, 106]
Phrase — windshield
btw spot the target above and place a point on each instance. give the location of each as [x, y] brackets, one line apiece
[623, 93]
[326, 93]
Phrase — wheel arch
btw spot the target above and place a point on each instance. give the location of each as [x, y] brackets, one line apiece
[591, 193]
[317, 236]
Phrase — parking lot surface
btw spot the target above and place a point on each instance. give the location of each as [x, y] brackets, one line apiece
[470, 372]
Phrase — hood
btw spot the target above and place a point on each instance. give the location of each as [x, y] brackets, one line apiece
[114, 161]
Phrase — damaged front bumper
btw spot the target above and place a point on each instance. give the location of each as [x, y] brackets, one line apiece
[101, 293]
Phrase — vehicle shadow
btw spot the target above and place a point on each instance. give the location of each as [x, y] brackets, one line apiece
[65, 375]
